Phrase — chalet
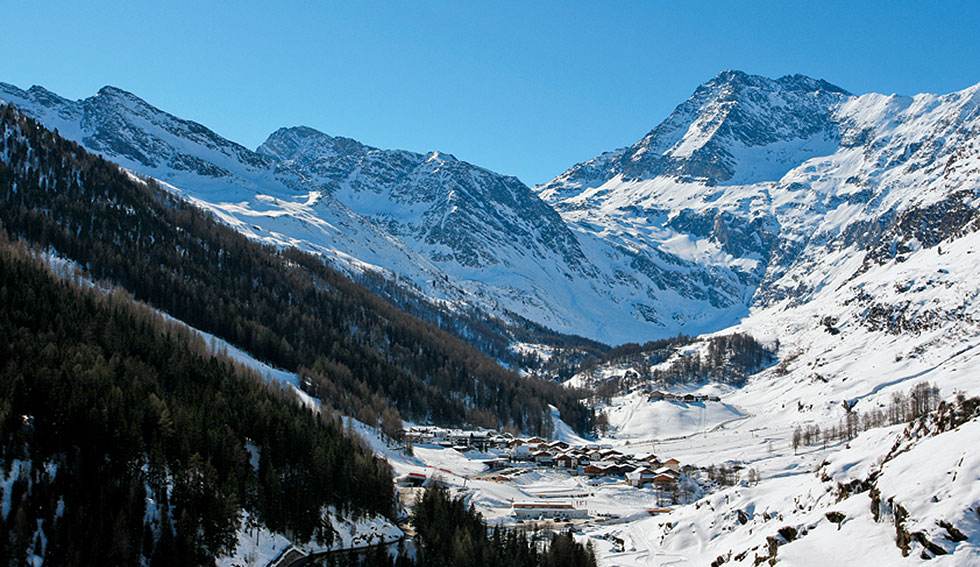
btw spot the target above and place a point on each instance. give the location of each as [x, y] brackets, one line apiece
[423, 435]
[543, 458]
[560, 445]
[566, 461]
[657, 396]
[672, 464]
[665, 477]
[595, 470]
[520, 452]
[496, 464]
[640, 477]
[620, 469]
[650, 459]
[664, 480]
[475, 439]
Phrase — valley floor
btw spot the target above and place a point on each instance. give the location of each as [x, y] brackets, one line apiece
[889, 490]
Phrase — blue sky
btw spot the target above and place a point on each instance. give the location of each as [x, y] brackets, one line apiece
[524, 88]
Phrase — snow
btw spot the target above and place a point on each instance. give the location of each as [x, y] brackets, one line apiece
[17, 468]
[563, 431]
[633, 417]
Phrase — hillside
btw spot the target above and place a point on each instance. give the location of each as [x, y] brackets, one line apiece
[359, 354]
[125, 439]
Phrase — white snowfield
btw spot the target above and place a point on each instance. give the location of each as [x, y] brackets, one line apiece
[937, 480]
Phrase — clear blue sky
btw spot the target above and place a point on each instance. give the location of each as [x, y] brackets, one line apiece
[524, 88]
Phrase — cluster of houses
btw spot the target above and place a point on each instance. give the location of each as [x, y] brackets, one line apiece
[657, 396]
[459, 439]
[596, 462]
[592, 461]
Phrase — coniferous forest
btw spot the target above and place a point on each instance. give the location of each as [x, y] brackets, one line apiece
[125, 439]
[358, 354]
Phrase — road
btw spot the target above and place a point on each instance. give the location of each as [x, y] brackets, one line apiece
[296, 558]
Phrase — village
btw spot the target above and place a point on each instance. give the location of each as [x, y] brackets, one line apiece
[547, 479]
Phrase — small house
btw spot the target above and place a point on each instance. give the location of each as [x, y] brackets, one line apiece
[543, 458]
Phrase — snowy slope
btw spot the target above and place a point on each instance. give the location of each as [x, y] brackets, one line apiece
[754, 182]
[895, 323]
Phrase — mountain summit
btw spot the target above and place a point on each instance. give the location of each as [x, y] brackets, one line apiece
[734, 129]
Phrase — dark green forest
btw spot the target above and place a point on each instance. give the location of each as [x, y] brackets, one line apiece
[359, 354]
[109, 413]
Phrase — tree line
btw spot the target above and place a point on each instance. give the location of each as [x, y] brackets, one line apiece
[922, 399]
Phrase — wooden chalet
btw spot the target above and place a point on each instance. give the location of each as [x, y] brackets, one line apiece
[543, 458]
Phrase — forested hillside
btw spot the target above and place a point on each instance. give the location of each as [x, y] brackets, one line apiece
[125, 439]
[361, 355]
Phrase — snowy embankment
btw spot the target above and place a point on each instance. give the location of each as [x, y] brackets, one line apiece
[257, 546]
[841, 505]
[633, 417]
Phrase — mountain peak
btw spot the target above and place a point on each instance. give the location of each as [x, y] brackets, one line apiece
[110, 91]
[796, 82]
[735, 128]
[302, 141]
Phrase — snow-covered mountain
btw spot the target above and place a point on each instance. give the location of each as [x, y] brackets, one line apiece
[451, 230]
[777, 184]
[866, 283]
[751, 192]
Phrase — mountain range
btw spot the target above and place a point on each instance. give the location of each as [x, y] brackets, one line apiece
[724, 206]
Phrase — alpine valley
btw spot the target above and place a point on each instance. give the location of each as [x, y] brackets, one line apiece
[802, 263]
